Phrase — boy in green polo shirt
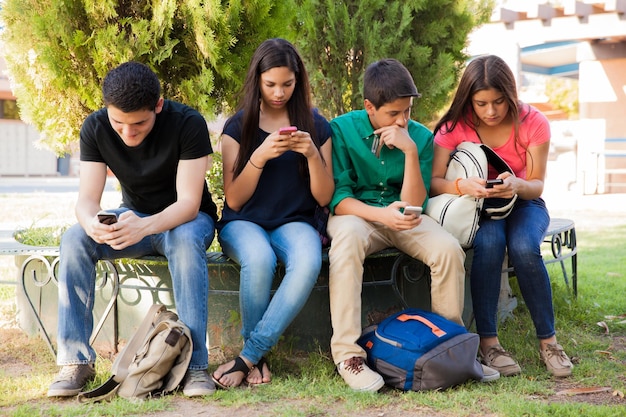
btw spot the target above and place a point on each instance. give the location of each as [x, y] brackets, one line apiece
[382, 163]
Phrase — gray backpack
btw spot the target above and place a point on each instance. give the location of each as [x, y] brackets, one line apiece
[154, 361]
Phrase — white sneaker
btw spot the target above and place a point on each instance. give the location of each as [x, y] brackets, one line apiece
[359, 376]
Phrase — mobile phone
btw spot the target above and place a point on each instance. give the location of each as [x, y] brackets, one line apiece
[287, 130]
[491, 183]
[107, 217]
[417, 210]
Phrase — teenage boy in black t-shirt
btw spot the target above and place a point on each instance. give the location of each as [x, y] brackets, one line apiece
[158, 150]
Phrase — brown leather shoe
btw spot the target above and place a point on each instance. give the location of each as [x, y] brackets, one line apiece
[556, 360]
[500, 360]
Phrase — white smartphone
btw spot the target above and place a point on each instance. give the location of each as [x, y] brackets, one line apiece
[417, 210]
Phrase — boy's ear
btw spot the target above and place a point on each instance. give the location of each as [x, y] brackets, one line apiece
[159, 105]
[369, 107]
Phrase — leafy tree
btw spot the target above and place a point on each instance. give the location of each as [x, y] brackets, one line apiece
[58, 51]
[339, 39]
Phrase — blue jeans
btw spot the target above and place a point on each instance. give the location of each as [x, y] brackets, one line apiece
[257, 250]
[521, 233]
[185, 249]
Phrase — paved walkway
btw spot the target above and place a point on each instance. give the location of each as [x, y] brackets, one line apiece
[589, 212]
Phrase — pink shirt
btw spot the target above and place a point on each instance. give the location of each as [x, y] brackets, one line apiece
[533, 131]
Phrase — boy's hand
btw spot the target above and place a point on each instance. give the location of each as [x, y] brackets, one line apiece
[393, 218]
[126, 232]
[395, 136]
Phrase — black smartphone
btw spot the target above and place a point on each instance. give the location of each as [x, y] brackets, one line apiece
[107, 217]
[491, 183]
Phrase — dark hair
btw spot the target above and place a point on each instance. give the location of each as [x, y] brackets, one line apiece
[270, 54]
[482, 73]
[132, 86]
[386, 81]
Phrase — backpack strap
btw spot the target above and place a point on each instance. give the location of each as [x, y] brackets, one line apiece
[495, 160]
[119, 370]
[437, 331]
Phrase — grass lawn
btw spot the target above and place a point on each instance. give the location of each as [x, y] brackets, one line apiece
[591, 328]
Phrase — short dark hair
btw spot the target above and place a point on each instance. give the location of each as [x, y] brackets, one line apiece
[132, 86]
[387, 80]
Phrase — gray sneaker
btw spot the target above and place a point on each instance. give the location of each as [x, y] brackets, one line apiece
[489, 374]
[197, 383]
[71, 380]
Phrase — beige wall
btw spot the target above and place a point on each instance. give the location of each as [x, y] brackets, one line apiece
[602, 94]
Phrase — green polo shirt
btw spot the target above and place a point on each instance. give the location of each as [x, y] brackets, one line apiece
[359, 174]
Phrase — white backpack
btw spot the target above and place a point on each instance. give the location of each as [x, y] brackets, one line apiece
[460, 214]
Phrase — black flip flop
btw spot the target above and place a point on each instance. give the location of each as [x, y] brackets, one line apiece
[239, 366]
[259, 365]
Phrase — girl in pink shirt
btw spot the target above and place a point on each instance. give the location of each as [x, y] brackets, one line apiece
[486, 109]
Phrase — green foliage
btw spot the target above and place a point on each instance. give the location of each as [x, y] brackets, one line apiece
[41, 236]
[339, 40]
[563, 94]
[58, 51]
[215, 180]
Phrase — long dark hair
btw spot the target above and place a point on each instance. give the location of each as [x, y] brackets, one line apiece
[483, 73]
[270, 54]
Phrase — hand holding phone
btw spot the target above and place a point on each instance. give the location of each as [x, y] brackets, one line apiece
[417, 210]
[491, 183]
[287, 130]
[107, 217]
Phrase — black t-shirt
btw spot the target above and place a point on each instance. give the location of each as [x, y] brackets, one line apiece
[147, 173]
[282, 194]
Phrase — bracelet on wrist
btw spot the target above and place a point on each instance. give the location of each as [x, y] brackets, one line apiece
[456, 186]
[252, 163]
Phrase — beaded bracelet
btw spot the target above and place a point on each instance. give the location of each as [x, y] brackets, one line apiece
[456, 185]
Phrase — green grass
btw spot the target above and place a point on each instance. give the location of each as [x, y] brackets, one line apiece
[307, 385]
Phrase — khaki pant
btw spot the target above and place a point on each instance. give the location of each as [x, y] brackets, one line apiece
[353, 238]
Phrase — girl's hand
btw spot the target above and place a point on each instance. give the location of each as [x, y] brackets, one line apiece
[505, 190]
[272, 147]
[302, 143]
[477, 187]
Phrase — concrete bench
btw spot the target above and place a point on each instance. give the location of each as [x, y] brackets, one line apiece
[126, 288]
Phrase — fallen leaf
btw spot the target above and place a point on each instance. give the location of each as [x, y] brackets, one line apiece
[618, 393]
[604, 326]
[581, 391]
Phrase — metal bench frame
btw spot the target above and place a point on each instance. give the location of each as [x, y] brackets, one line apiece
[561, 237]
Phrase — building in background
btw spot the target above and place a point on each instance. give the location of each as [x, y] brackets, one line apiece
[582, 40]
[19, 155]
